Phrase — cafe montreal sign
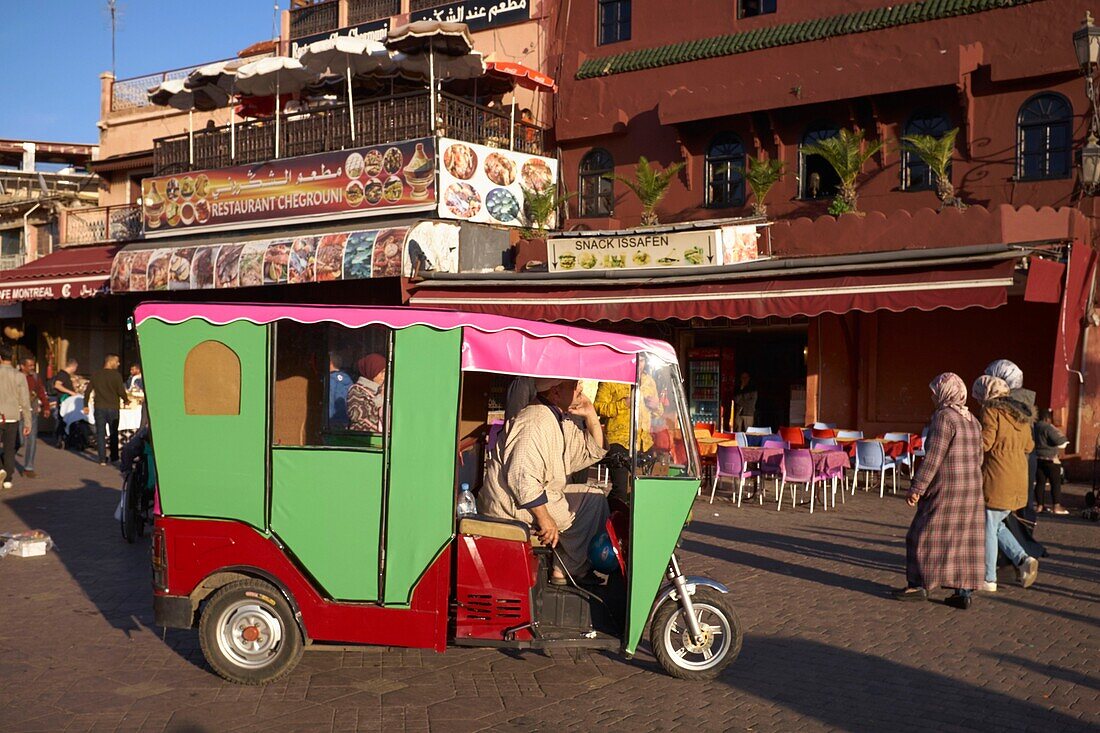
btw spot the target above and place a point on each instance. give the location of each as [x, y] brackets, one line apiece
[639, 250]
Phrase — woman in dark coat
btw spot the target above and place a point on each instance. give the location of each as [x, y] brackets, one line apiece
[945, 546]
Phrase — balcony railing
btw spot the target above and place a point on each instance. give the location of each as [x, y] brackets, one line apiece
[10, 262]
[378, 121]
[133, 93]
[23, 185]
[101, 224]
[316, 18]
[362, 11]
[415, 5]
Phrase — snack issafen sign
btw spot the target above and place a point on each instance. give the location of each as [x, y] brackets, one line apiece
[373, 181]
[641, 250]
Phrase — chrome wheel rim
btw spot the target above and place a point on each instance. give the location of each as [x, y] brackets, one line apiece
[249, 634]
[716, 632]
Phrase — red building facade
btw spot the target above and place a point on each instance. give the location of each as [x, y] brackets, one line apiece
[710, 84]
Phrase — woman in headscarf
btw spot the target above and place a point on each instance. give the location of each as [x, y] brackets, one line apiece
[367, 397]
[1006, 441]
[1025, 401]
[945, 546]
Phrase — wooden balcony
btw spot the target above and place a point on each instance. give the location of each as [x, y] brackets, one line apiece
[363, 11]
[101, 224]
[378, 121]
[320, 17]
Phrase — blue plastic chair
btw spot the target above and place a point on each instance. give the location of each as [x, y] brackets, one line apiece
[871, 458]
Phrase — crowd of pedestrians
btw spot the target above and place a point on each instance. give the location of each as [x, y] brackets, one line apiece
[973, 491]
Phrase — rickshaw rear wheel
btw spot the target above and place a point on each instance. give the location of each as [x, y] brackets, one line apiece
[678, 654]
[248, 633]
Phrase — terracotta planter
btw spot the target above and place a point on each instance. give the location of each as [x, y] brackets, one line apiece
[530, 254]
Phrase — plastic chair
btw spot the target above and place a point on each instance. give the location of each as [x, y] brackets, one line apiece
[822, 433]
[824, 426]
[758, 430]
[920, 452]
[850, 434]
[707, 426]
[837, 472]
[742, 439]
[794, 436]
[772, 465]
[904, 459]
[871, 458]
[731, 464]
[798, 468]
[722, 436]
[819, 443]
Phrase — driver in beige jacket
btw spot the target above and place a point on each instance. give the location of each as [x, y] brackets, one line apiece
[527, 470]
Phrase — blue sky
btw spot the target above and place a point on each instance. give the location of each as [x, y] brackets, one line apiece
[56, 49]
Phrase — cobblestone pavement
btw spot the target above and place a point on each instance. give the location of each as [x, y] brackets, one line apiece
[825, 647]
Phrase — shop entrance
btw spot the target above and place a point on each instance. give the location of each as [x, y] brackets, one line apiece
[774, 357]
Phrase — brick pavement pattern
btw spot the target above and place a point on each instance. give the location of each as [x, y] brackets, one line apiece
[825, 647]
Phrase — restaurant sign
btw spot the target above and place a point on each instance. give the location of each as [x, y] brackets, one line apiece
[370, 181]
[478, 14]
[77, 287]
[353, 255]
[647, 250]
[484, 184]
[376, 30]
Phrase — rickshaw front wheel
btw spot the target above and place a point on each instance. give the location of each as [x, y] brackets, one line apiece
[248, 633]
[696, 659]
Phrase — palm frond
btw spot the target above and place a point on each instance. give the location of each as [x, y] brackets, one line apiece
[845, 153]
[650, 185]
[934, 152]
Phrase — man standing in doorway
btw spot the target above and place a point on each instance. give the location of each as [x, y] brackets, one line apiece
[744, 403]
[15, 409]
[40, 407]
[110, 395]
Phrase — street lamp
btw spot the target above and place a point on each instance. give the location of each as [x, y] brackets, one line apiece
[1086, 43]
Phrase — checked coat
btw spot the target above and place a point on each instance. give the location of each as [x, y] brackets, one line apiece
[945, 546]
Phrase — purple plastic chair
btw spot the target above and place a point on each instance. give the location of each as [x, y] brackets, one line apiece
[772, 465]
[835, 472]
[731, 464]
[798, 468]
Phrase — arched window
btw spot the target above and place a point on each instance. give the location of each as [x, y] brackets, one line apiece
[725, 172]
[915, 175]
[596, 189]
[817, 179]
[212, 380]
[1045, 138]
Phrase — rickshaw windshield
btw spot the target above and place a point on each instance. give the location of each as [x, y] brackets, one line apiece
[673, 442]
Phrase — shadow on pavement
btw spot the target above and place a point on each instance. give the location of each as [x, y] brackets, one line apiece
[113, 574]
[1071, 676]
[855, 691]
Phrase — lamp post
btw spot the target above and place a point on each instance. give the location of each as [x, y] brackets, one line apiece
[1086, 43]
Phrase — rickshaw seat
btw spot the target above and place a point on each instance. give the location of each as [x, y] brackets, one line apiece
[481, 525]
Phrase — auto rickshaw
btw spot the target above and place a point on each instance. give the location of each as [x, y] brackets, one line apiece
[282, 523]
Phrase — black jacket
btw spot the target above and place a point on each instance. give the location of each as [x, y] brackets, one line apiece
[1048, 441]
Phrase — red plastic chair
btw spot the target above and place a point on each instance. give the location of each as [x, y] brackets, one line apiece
[708, 426]
[794, 436]
[731, 464]
[822, 433]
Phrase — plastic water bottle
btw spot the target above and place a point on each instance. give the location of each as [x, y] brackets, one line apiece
[466, 503]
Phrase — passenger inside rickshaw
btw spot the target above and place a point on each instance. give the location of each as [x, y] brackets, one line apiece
[310, 375]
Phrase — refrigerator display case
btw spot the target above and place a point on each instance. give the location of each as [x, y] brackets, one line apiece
[704, 385]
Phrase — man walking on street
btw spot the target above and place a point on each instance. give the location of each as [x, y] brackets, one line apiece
[40, 406]
[15, 409]
[110, 394]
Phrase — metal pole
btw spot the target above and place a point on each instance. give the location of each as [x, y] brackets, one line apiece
[512, 125]
[431, 82]
[277, 106]
[232, 132]
[351, 106]
[191, 138]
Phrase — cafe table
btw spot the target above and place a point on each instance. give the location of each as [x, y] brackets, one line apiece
[824, 460]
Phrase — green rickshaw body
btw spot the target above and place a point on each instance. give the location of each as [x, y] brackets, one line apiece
[273, 486]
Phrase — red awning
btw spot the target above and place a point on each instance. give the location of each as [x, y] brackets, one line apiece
[522, 75]
[76, 272]
[981, 285]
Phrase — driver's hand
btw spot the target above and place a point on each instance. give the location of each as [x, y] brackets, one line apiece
[548, 533]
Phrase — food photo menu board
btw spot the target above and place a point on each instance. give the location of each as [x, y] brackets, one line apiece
[372, 181]
[353, 255]
[484, 184]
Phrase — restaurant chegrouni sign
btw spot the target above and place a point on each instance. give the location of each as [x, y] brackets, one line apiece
[370, 181]
[647, 250]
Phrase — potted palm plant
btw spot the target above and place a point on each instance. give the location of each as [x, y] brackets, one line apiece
[540, 208]
[650, 185]
[936, 152]
[761, 176]
[845, 153]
